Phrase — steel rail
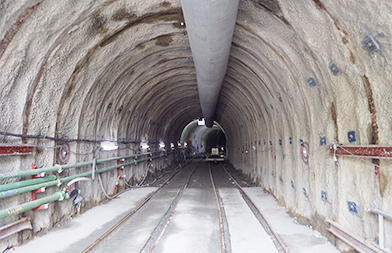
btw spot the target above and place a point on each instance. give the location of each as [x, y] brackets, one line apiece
[159, 230]
[118, 224]
[223, 224]
[279, 244]
[107, 233]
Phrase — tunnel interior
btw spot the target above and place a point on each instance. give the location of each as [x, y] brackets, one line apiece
[201, 139]
[304, 78]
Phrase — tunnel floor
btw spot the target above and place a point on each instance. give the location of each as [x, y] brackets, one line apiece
[199, 210]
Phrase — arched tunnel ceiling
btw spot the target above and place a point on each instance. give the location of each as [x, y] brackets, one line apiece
[301, 75]
[124, 70]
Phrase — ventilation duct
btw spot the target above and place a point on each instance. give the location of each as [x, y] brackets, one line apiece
[210, 25]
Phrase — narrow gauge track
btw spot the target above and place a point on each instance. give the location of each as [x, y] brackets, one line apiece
[189, 225]
[118, 224]
[223, 224]
[280, 245]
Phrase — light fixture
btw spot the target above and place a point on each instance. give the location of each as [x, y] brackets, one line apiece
[161, 144]
[109, 145]
[201, 122]
[144, 145]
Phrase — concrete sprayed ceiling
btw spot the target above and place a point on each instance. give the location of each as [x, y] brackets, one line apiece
[123, 69]
[301, 75]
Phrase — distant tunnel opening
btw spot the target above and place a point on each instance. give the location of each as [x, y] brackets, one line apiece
[200, 139]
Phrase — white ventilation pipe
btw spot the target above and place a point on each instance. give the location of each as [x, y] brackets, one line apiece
[210, 25]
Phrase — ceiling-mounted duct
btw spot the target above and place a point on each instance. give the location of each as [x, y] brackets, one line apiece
[210, 25]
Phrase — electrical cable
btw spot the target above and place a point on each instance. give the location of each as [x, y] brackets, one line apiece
[47, 137]
[63, 139]
[106, 194]
[73, 152]
[159, 177]
[131, 187]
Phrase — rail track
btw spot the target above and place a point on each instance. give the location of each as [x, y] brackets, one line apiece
[186, 213]
[280, 245]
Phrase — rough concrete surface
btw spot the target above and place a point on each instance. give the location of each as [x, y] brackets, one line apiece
[301, 76]
[193, 227]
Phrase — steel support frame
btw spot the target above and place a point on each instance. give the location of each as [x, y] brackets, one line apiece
[16, 149]
[365, 151]
[351, 239]
[15, 227]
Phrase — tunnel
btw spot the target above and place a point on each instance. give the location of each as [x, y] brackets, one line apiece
[302, 108]
[201, 139]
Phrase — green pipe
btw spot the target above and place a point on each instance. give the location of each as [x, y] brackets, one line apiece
[12, 192]
[57, 196]
[87, 174]
[16, 191]
[26, 183]
[27, 173]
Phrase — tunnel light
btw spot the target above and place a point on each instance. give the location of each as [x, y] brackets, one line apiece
[172, 145]
[109, 145]
[161, 144]
[201, 122]
[144, 145]
[185, 144]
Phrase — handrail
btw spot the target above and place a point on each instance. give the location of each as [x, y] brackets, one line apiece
[376, 211]
[381, 231]
[358, 243]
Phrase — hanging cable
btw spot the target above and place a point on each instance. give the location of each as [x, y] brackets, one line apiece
[28, 136]
[96, 148]
[106, 194]
[159, 177]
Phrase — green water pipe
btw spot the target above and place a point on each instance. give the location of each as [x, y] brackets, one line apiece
[16, 191]
[19, 184]
[57, 196]
[12, 192]
[26, 173]
[87, 174]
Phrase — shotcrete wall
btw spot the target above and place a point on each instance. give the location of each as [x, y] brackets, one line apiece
[302, 75]
[307, 77]
[101, 70]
